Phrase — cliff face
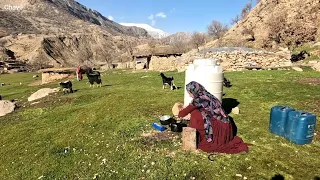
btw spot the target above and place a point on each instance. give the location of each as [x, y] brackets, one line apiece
[57, 16]
[63, 33]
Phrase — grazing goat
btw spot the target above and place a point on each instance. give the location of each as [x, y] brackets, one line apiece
[67, 87]
[94, 77]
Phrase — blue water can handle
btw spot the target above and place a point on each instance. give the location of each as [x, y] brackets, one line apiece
[284, 108]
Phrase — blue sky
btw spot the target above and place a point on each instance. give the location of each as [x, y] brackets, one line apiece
[169, 15]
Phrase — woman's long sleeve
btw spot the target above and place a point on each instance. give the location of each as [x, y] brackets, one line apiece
[186, 110]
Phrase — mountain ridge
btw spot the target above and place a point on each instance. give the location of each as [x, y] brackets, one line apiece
[153, 32]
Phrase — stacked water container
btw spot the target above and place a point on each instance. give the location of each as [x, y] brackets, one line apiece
[295, 125]
[207, 73]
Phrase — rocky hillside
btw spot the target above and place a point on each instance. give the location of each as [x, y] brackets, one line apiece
[64, 33]
[179, 36]
[277, 22]
[56, 16]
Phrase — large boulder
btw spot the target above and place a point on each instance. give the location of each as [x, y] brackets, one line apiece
[6, 107]
[42, 93]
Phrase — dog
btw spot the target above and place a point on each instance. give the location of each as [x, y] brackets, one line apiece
[67, 87]
[168, 81]
[94, 77]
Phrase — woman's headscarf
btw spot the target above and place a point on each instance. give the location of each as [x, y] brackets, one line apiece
[208, 105]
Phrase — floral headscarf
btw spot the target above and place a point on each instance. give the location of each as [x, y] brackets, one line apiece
[208, 105]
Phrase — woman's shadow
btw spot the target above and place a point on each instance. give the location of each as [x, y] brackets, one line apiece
[228, 104]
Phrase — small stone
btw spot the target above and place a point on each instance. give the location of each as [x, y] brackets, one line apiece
[235, 110]
[297, 69]
[239, 175]
[245, 177]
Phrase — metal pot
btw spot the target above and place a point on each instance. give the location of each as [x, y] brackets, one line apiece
[166, 120]
[177, 127]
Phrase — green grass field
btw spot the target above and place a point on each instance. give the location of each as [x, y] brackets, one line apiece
[98, 132]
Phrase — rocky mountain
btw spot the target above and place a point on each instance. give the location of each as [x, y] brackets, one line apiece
[277, 23]
[153, 32]
[56, 16]
[178, 37]
[64, 33]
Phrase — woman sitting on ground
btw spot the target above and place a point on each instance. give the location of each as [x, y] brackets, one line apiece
[212, 123]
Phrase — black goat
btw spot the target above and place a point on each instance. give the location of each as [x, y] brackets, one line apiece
[168, 81]
[67, 86]
[94, 77]
[297, 57]
[226, 83]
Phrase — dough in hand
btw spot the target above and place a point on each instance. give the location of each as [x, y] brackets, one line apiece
[176, 108]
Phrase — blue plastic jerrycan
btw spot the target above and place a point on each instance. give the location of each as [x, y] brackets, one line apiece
[300, 127]
[278, 119]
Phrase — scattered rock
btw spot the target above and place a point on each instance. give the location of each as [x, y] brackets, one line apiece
[313, 62]
[42, 93]
[6, 107]
[316, 66]
[297, 69]
[235, 110]
[34, 103]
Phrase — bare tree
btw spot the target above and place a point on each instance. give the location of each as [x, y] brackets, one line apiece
[40, 64]
[246, 10]
[179, 46]
[235, 20]
[217, 29]
[198, 39]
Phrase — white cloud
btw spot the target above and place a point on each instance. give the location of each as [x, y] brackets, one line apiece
[161, 14]
[151, 17]
[110, 18]
[153, 22]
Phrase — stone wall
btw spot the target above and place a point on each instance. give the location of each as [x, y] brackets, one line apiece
[48, 77]
[163, 63]
[240, 60]
[125, 65]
